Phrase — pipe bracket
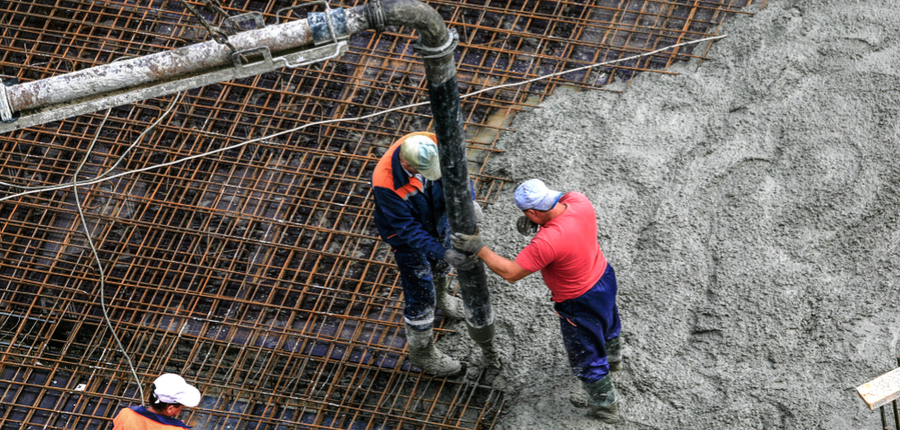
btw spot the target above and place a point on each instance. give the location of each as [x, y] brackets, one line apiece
[292, 61]
[440, 51]
[233, 24]
[238, 57]
[239, 71]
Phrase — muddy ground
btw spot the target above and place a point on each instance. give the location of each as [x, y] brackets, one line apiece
[749, 207]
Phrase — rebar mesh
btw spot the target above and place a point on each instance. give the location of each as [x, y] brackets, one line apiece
[256, 271]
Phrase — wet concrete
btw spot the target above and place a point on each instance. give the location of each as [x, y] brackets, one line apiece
[749, 208]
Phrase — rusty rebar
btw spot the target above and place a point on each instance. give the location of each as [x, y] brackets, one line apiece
[257, 272]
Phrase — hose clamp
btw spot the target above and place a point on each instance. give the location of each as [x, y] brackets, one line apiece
[328, 27]
[439, 52]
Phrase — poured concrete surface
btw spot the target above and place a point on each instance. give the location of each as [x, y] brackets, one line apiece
[750, 209]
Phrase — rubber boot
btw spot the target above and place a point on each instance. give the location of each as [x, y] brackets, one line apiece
[614, 353]
[579, 399]
[603, 404]
[424, 355]
[452, 306]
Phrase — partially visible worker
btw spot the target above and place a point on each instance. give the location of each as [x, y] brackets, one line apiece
[170, 395]
[411, 217]
[581, 282]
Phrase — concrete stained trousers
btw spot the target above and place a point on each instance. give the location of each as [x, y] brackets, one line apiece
[417, 273]
[587, 323]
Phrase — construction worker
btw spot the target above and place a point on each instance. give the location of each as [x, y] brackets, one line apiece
[411, 217]
[170, 395]
[581, 282]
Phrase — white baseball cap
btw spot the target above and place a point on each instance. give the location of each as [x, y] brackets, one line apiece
[534, 194]
[171, 388]
[422, 154]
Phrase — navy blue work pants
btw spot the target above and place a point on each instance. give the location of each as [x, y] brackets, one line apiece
[587, 323]
[417, 273]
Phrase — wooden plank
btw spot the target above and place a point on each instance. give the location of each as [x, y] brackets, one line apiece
[881, 390]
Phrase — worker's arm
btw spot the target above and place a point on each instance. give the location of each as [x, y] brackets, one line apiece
[507, 269]
[398, 215]
[472, 244]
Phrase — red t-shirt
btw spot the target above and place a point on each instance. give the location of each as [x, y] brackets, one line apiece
[566, 250]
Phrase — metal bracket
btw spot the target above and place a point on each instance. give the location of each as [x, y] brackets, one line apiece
[314, 55]
[232, 24]
[446, 49]
[292, 61]
[242, 70]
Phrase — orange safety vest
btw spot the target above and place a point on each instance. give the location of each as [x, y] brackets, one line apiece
[138, 418]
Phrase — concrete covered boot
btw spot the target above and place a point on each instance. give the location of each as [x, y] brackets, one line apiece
[427, 357]
[579, 399]
[452, 306]
[603, 404]
[614, 353]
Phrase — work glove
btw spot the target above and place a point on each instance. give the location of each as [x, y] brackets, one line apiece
[479, 214]
[468, 243]
[526, 226]
[459, 260]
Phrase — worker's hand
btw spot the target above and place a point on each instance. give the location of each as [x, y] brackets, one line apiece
[459, 260]
[479, 214]
[468, 243]
[526, 226]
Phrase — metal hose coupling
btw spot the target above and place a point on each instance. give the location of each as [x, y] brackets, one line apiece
[440, 51]
[375, 15]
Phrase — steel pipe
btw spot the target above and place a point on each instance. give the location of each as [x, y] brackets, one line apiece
[99, 81]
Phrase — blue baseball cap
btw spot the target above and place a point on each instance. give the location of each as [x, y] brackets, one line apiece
[534, 194]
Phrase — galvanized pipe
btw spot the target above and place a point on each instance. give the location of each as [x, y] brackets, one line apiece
[162, 66]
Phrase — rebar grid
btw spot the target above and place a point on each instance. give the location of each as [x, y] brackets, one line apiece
[256, 272]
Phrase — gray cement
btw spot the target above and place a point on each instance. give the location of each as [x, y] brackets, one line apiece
[750, 209]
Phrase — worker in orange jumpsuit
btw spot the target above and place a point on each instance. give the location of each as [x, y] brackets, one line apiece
[170, 395]
[411, 217]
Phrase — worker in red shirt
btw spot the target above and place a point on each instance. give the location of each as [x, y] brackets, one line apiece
[581, 282]
[168, 398]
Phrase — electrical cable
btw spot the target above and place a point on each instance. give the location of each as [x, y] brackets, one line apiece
[96, 255]
[87, 233]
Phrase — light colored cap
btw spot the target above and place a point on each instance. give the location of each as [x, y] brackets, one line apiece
[421, 153]
[171, 388]
[534, 194]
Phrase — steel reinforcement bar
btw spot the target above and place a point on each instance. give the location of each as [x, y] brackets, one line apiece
[256, 271]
